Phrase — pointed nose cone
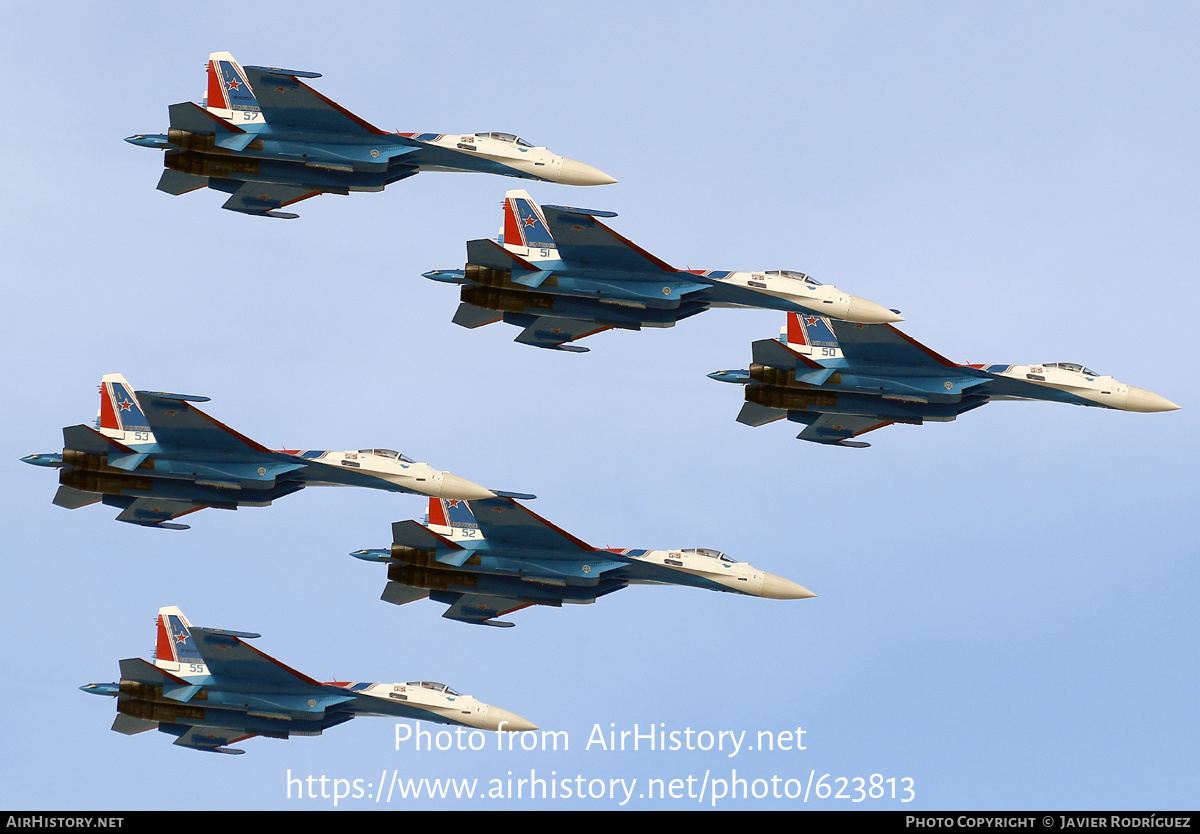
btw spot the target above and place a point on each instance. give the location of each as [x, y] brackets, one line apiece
[868, 312]
[502, 719]
[776, 587]
[462, 489]
[43, 460]
[580, 173]
[1139, 399]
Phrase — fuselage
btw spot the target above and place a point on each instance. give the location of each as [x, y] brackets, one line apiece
[245, 707]
[340, 162]
[249, 479]
[687, 290]
[612, 568]
[926, 393]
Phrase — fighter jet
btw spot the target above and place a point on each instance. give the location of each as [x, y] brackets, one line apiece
[489, 558]
[560, 275]
[209, 689]
[843, 380]
[269, 140]
[158, 457]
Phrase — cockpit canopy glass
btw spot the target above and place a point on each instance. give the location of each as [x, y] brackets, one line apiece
[1071, 366]
[506, 137]
[385, 453]
[435, 686]
[791, 273]
[709, 552]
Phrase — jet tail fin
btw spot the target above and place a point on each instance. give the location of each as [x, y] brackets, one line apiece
[119, 407]
[448, 512]
[175, 647]
[524, 224]
[807, 334]
[229, 94]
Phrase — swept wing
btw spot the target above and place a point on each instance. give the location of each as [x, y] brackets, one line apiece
[286, 100]
[581, 238]
[504, 521]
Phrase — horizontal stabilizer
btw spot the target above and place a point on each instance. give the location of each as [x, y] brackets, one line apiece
[195, 119]
[417, 536]
[470, 316]
[177, 182]
[73, 499]
[398, 594]
[494, 256]
[140, 671]
[127, 725]
[92, 442]
[774, 354]
[753, 414]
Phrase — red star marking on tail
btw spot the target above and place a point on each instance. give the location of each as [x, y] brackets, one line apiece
[233, 84]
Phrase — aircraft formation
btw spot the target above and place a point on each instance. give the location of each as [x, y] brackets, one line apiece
[267, 139]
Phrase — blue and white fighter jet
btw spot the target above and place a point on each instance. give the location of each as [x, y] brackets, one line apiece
[560, 274]
[158, 457]
[269, 140]
[843, 380]
[210, 689]
[489, 558]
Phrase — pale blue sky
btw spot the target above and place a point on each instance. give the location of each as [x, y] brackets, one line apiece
[1006, 603]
